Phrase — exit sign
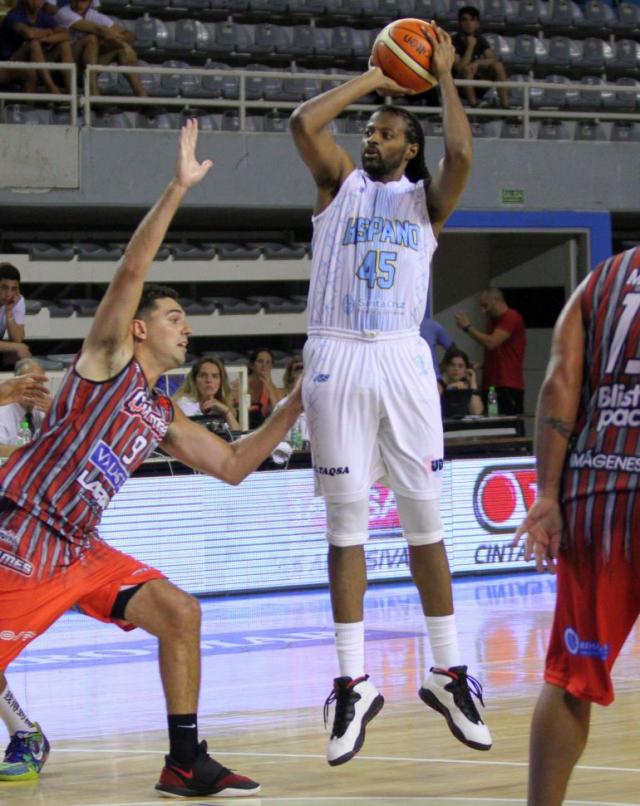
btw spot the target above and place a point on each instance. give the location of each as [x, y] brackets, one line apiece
[512, 196]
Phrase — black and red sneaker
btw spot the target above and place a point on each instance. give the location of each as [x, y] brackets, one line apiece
[204, 777]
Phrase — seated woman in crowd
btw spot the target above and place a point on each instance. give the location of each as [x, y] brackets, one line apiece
[292, 373]
[206, 391]
[264, 393]
[459, 386]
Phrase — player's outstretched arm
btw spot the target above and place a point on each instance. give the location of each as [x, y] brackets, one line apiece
[328, 162]
[192, 445]
[556, 414]
[451, 175]
[109, 345]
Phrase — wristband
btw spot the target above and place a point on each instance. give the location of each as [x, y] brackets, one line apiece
[467, 328]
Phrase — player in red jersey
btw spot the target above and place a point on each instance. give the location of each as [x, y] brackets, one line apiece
[103, 422]
[584, 522]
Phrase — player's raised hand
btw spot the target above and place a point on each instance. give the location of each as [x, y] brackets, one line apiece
[444, 53]
[188, 170]
[543, 528]
[387, 86]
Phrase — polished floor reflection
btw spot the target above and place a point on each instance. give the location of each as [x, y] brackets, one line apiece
[268, 662]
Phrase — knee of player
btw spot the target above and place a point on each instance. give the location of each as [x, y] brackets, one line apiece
[184, 612]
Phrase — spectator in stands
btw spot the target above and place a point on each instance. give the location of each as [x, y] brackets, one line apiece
[96, 39]
[459, 386]
[293, 371]
[12, 316]
[13, 414]
[264, 393]
[206, 391]
[504, 344]
[29, 34]
[435, 336]
[474, 57]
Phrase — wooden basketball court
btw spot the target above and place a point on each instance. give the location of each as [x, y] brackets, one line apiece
[267, 669]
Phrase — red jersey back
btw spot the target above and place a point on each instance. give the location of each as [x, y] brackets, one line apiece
[503, 366]
[93, 437]
[603, 465]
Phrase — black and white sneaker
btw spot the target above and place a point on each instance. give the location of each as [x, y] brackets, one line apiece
[357, 702]
[449, 691]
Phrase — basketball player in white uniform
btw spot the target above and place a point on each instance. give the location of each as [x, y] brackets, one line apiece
[369, 388]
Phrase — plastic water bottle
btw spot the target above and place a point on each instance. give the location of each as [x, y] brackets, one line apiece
[23, 436]
[492, 402]
[296, 438]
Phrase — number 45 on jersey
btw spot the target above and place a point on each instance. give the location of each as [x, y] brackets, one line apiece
[378, 269]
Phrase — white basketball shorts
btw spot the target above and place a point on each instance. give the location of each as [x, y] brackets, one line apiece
[373, 412]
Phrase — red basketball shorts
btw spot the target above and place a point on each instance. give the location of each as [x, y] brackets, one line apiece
[33, 596]
[597, 605]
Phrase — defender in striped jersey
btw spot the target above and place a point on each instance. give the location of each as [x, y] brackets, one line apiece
[584, 522]
[105, 419]
[370, 392]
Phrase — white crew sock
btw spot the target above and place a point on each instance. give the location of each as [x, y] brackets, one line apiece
[443, 640]
[12, 714]
[350, 648]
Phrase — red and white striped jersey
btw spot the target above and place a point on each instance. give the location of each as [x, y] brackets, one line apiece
[92, 439]
[603, 465]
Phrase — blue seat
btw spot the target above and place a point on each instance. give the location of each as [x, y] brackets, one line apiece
[90, 250]
[266, 38]
[525, 51]
[150, 34]
[530, 16]
[590, 130]
[237, 251]
[188, 36]
[189, 250]
[282, 251]
[233, 305]
[628, 21]
[566, 17]
[626, 58]
[624, 131]
[579, 99]
[554, 130]
[597, 18]
[46, 251]
[557, 55]
[555, 97]
[622, 101]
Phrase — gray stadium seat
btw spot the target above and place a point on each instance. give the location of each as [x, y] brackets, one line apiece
[235, 6]
[197, 307]
[622, 101]
[433, 127]
[276, 121]
[114, 119]
[578, 99]
[171, 83]
[83, 307]
[273, 304]
[65, 359]
[222, 38]
[555, 97]
[342, 41]
[596, 55]
[525, 49]
[512, 130]
[494, 13]
[554, 130]
[23, 114]
[265, 37]
[565, 18]
[150, 5]
[254, 123]
[598, 18]
[46, 251]
[557, 56]
[626, 58]
[428, 9]
[280, 251]
[230, 121]
[160, 119]
[236, 251]
[150, 34]
[233, 305]
[186, 250]
[269, 6]
[188, 36]
[590, 130]
[625, 132]
[628, 22]
[210, 86]
[529, 16]
[58, 309]
[190, 5]
[48, 364]
[88, 250]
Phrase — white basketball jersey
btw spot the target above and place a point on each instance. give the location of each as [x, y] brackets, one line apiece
[372, 249]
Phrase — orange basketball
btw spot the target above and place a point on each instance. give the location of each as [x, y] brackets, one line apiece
[403, 52]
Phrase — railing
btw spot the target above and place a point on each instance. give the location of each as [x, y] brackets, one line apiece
[63, 98]
[525, 113]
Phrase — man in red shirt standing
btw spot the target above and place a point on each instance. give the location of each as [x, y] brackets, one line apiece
[504, 344]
